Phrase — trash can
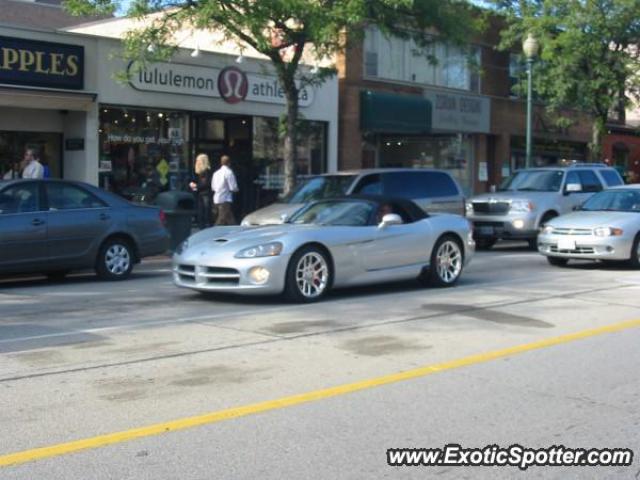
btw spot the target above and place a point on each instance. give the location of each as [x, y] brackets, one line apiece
[179, 208]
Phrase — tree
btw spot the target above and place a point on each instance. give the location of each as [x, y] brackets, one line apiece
[589, 57]
[283, 31]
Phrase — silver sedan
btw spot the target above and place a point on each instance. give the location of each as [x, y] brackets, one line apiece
[605, 227]
[330, 243]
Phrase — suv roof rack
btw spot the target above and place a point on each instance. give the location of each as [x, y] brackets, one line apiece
[576, 164]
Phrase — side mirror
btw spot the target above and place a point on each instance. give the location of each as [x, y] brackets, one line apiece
[390, 219]
[572, 188]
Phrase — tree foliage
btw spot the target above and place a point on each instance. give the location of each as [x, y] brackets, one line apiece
[284, 31]
[589, 58]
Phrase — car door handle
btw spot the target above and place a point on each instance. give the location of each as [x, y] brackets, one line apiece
[36, 222]
[104, 216]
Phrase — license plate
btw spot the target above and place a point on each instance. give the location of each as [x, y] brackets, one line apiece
[566, 244]
[485, 230]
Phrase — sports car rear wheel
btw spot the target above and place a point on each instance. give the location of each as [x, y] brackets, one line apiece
[446, 262]
[308, 275]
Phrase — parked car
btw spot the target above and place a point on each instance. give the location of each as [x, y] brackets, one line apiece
[530, 198]
[55, 226]
[432, 190]
[605, 227]
[328, 244]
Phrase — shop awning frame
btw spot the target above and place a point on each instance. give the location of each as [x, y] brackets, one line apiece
[46, 99]
[382, 112]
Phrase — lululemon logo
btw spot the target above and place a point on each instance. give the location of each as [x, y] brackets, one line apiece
[233, 85]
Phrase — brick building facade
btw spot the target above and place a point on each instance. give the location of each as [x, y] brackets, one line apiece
[476, 126]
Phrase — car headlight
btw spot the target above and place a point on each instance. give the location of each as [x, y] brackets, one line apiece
[265, 250]
[469, 208]
[607, 232]
[547, 229]
[182, 247]
[521, 206]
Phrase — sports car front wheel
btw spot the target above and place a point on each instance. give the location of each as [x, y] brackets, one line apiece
[446, 264]
[308, 275]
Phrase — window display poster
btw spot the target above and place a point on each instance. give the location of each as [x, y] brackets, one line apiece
[483, 172]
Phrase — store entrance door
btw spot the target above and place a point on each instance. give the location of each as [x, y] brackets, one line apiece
[218, 135]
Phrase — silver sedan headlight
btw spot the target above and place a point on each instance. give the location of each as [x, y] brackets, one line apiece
[265, 250]
[521, 206]
[607, 232]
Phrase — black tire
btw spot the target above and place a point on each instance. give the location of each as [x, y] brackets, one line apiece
[304, 289]
[115, 259]
[557, 262]
[485, 243]
[57, 275]
[434, 275]
[634, 257]
[533, 243]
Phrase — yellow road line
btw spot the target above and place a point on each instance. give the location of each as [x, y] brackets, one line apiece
[213, 417]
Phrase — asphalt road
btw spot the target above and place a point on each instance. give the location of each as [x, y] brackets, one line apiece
[541, 366]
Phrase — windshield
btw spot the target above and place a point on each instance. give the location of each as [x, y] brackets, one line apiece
[534, 181]
[319, 188]
[614, 201]
[340, 212]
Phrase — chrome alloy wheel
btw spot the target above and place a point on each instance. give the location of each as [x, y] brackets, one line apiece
[312, 275]
[117, 259]
[449, 261]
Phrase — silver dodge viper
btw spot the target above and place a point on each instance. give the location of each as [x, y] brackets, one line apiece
[328, 244]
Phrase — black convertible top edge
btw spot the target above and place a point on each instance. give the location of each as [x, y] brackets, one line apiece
[411, 209]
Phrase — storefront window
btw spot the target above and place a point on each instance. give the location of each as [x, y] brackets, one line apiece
[268, 154]
[14, 144]
[546, 153]
[453, 153]
[143, 152]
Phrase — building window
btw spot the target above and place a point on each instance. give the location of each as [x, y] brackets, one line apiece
[438, 64]
[454, 153]
[12, 148]
[142, 152]
[268, 154]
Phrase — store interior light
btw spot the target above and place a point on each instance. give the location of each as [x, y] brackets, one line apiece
[160, 115]
[399, 144]
[388, 144]
[105, 111]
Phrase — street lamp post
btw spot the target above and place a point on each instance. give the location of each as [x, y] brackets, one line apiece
[530, 48]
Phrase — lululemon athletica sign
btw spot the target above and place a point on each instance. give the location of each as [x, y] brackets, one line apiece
[233, 85]
[230, 83]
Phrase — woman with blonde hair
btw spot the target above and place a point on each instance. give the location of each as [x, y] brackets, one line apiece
[201, 185]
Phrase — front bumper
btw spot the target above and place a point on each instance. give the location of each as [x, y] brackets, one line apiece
[588, 247]
[229, 275]
[509, 226]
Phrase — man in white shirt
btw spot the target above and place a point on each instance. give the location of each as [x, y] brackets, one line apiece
[33, 168]
[223, 184]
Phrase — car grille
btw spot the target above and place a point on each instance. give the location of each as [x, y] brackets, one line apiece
[571, 231]
[496, 208]
[576, 251]
[208, 275]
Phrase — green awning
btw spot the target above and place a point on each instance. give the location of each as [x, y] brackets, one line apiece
[391, 113]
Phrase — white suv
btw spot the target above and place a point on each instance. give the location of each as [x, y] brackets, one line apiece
[528, 199]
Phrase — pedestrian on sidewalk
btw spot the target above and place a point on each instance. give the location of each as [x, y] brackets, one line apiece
[224, 184]
[33, 168]
[201, 185]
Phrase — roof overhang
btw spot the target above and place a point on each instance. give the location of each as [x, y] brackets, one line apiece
[46, 99]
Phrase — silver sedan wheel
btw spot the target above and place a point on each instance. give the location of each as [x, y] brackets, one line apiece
[312, 275]
[449, 261]
[117, 259]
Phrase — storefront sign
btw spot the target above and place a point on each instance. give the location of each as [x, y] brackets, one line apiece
[231, 84]
[74, 144]
[41, 64]
[459, 113]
